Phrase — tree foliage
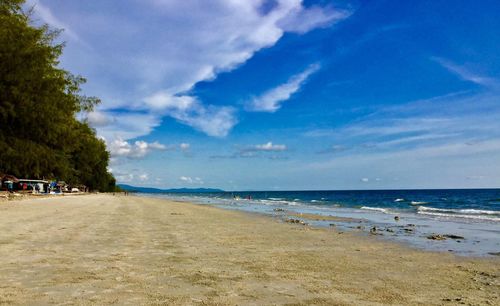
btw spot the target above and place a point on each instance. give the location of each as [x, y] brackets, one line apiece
[39, 133]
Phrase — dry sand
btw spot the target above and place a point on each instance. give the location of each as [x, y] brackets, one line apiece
[104, 249]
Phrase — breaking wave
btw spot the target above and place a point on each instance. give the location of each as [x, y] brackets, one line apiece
[380, 209]
[418, 203]
[478, 214]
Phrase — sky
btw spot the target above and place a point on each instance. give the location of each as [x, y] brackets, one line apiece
[289, 94]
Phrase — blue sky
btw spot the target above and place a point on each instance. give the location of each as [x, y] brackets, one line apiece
[252, 95]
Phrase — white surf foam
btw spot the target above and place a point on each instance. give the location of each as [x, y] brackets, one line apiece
[461, 211]
[477, 214]
[418, 203]
[385, 211]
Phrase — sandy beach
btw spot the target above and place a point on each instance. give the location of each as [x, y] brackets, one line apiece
[105, 249]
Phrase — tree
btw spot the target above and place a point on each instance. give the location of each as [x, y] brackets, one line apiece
[39, 134]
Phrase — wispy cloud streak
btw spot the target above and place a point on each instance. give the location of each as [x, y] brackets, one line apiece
[466, 74]
[272, 100]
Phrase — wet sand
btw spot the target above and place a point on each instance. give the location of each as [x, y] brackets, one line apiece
[104, 249]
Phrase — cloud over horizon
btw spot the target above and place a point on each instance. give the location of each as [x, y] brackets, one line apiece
[289, 93]
[164, 65]
[139, 149]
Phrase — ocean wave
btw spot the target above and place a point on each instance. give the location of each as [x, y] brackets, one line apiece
[461, 211]
[399, 200]
[476, 217]
[385, 211]
[277, 202]
[418, 203]
[479, 211]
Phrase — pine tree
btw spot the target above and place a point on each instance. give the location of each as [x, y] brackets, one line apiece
[39, 134]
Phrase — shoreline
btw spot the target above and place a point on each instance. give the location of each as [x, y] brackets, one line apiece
[411, 230]
[134, 250]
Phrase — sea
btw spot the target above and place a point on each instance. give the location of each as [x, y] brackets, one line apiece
[462, 221]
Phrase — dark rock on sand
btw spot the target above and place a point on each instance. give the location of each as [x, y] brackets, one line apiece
[494, 253]
[278, 209]
[458, 299]
[453, 236]
[296, 221]
[436, 237]
[396, 218]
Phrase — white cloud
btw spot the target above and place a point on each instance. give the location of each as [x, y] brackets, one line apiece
[211, 120]
[123, 177]
[214, 121]
[365, 180]
[190, 180]
[150, 66]
[45, 14]
[433, 122]
[436, 166]
[122, 125]
[131, 176]
[184, 146]
[269, 147]
[302, 21]
[465, 74]
[137, 150]
[98, 119]
[185, 179]
[254, 151]
[433, 143]
[272, 99]
[167, 102]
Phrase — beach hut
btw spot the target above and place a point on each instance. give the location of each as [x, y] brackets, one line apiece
[34, 185]
[7, 181]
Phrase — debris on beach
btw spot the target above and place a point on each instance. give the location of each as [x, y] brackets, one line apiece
[278, 209]
[396, 218]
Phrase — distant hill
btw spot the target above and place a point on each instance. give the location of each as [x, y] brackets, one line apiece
[175, 190]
